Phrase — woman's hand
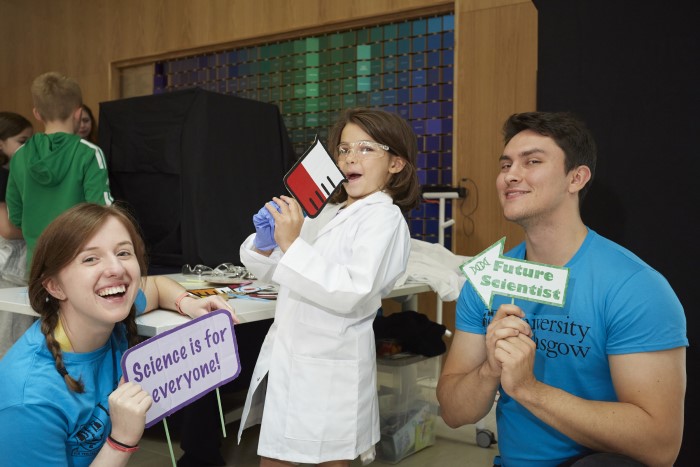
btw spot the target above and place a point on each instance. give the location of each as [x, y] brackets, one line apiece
[128, 405]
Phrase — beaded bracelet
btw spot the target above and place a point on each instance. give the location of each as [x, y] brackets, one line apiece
[114, 444]
[179, 299]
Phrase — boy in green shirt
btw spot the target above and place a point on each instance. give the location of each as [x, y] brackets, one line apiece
[54, 170]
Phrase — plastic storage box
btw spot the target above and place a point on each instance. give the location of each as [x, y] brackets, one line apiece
[407, 405]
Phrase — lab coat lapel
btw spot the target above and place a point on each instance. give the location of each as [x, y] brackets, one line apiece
[339, 217]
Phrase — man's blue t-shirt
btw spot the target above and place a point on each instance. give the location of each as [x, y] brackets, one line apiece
[615, 304]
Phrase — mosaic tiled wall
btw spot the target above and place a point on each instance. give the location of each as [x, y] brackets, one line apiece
[404, 67]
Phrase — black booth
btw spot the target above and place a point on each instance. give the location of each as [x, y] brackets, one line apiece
[194, 166]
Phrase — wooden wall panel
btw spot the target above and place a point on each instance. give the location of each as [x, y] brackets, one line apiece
[495, 77]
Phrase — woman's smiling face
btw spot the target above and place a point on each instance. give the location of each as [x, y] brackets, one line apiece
[99, 286]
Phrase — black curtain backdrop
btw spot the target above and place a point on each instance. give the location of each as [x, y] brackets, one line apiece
[194, 166]
[630, 70]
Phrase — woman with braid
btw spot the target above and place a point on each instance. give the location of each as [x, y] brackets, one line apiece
[62, 398]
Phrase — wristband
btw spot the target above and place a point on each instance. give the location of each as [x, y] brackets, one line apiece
[179, 299]
[116, 445]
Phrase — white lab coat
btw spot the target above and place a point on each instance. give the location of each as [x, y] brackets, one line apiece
[320, 395]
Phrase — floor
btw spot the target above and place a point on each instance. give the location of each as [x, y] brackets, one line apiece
[446, 451]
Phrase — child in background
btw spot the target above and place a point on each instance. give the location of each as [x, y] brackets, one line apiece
[61, 380]
[54, 170]
[316, 372]
[15, 130]
[87, 128]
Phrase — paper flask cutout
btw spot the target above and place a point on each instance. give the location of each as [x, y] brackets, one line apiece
[314, 178]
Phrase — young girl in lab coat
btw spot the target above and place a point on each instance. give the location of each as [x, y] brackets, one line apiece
[316, 372]
[61, 400]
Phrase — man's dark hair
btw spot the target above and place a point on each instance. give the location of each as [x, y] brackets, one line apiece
[568, 132]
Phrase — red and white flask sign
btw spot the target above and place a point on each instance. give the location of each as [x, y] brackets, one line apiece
[314, 178]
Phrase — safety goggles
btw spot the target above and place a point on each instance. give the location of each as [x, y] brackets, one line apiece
[361, 149]
[228, 270]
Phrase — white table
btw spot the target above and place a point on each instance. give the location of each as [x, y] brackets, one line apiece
[16, 300]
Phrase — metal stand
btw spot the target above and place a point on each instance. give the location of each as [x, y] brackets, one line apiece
[442, 225]
[484, 436]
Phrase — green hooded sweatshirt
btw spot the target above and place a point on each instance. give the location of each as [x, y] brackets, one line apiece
[50, 174]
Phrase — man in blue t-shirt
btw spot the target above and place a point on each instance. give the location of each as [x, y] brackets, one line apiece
[599, 382]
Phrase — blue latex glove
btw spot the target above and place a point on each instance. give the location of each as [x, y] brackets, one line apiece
[265, 229]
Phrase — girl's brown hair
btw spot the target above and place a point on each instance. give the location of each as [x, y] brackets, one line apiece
[57, 246]
[392, 130]
[11, 124]
[92, 137]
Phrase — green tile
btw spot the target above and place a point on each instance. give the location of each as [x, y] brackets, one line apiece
[364, 84]
[336, 40]
[298, 105]
[390, 48]
[312, 59]
[349, 69]
[349, 85]
[324, 103]
[349, 101]
[312, 75]
[324, 73]
[312, 121]
[299, 46]
[391, 31]
[324, 57]
[349, 38]
[311, 105]
[324, 119]
[363, 68]
[336, 71]
[376, 34]
[362, 36]
[299, 91]
[364, 52]
[336, 56]
[312, 44]
[299, 76]
[311, 89]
